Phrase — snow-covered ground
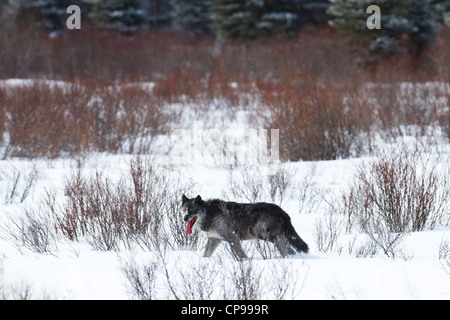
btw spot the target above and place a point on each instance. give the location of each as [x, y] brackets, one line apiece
[73, 270]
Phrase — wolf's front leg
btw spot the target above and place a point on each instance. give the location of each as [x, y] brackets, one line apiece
[236, 250]
[211, 245]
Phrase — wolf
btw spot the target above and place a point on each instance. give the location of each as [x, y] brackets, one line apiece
[233, 222]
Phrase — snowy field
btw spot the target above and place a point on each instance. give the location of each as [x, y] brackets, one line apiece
[346, 269]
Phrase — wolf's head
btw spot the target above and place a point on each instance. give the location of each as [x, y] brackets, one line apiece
[195, 211]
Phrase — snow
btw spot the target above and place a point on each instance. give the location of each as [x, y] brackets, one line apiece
[76, 271]
[30, 82]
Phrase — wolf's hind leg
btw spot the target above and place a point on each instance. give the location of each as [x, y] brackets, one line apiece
[211, 245]
[283, 246]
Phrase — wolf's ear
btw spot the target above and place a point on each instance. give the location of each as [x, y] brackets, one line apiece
[184, 199]
[198, 199]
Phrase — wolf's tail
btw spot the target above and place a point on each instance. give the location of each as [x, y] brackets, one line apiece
[296, 241]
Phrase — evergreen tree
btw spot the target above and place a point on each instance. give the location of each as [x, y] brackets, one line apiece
[123, 15]
[234, 18]
[2, 3]
[159, 13]
[249, 18]
[444, 7]
[315, 11]
[280, 16]
[418, 20]
[193, 17]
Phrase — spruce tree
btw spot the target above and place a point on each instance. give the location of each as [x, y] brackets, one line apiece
[417, 21]
[315, 11]
[159, 13]
[280, 16]
[2, 3]
[124, 15]
[193, 17]
[234, 18]
[249, 18]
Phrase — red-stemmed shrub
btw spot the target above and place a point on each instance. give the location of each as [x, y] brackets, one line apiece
[317, 120]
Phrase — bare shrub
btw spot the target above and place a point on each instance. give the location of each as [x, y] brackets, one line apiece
[280, 184]
[214, 278]
[398, 192]
[102, 54]
[199, 280]
[316, 120]
[327, 232]
[444, 122]
[275, 279]
[408, 109]
[248, 186]
[48, 120]
[349, 208]
[94, 210]
[127, 117]
[141, 209]
[132, 211]
[44, 121]
[20, 184]
[20, 290]
[141, 280]
[177, 85]
[33, 230]
[380, 236]
[367, 249]
[245, 281]
[251, 185]
[308, 193]
[265, 249]
[284, 280]
[444, 255]
[21, 41]
[402, 188]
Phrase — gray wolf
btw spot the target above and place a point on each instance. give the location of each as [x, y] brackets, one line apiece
[233, 222]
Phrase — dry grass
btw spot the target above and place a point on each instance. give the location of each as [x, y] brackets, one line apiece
[315, 96]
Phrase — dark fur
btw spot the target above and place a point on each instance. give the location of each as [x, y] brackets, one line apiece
[233, 222]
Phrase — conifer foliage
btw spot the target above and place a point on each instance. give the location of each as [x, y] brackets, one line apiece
[406, 25]
[193, 17]
[237, 18]
[123, 15]
[250, 18]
